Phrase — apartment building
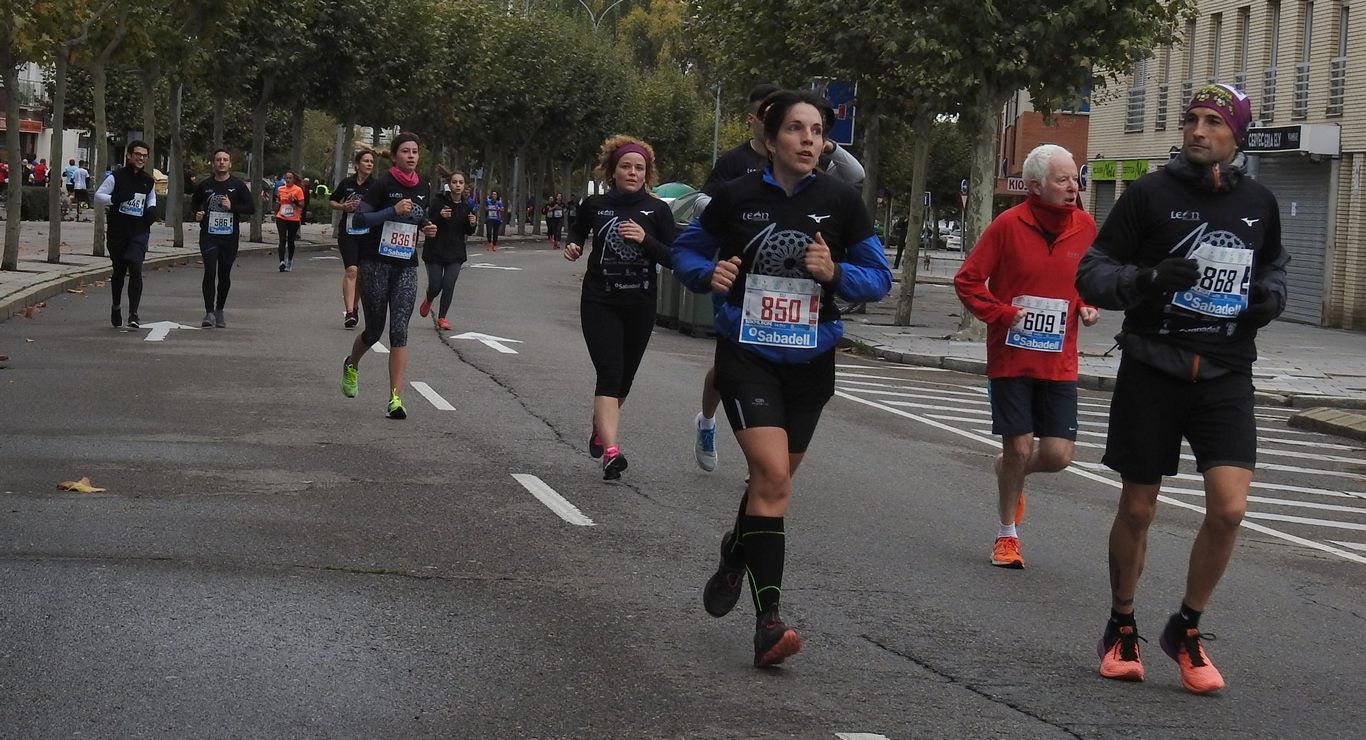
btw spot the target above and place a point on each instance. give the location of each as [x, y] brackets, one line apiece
[1023, 128]
[1303, 63]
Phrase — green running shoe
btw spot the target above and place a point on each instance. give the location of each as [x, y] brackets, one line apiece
[349, 377]
[396, 408]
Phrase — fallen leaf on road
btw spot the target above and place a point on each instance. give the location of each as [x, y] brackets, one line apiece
[30, 341]
[99, 283]
[31, 311]
[79, 486]
[77, 291]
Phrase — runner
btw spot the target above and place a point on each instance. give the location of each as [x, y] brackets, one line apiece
[217, 203]
[631, 233]
[397, 203]
[493, 220]
[1192, 253]
[80, 180]
[130, 195]
[445, 252]
[747, 157]
[779, 244]
[554, 219]
[347, 198]
[289, 199]
[1018, 280]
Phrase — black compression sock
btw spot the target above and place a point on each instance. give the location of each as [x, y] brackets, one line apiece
[764, 540]
[1118, 620]
[1188, 617]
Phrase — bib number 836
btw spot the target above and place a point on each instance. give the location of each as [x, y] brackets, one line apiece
[782, 310]
[400, 239]
[1217, 280]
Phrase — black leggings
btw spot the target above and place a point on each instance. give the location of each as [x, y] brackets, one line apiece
[218, 261]
[387, 289]
[553, 226]
[491, 229]
[289, 231]
[617, 336]
[127, 254]
[441, 279]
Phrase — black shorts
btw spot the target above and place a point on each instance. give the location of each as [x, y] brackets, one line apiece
[350, 250]
[1045, 408]
[1151, 411]
[759, 393]
[70, 188]
[82, 195]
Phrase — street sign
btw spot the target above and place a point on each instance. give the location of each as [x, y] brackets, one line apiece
[1016, 185]
[964, 198]
[929, 199]
[840, 94]
[1083, 176]
[963, 187]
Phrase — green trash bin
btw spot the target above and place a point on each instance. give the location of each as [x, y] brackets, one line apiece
[696, 316]
[666, 303]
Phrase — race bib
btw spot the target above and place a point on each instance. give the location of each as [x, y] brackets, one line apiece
[493, 215]
[398, 240]
[351, 227]
[134, 206]
[780, 312]
[287, 210]
[1043, 327]
[557, 213]
[220, 222]
[1223, 286]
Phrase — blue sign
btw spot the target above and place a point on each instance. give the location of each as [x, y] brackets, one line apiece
[963, 187]
[840, 95]
[1083, 176]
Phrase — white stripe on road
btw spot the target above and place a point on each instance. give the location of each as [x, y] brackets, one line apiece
[435, 398]
[377, 347]
[553, 501]
[1275, 501]
[1354, 545]
[1075, 470]
[894, 367]
[860, 736]
[1260, 451]
[1255, 484]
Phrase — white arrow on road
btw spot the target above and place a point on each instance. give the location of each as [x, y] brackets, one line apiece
[160, 329]
[326, 257]
[491, 266]
[494, 342]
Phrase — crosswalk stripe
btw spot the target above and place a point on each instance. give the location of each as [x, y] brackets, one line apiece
[432, 396]
[1275, 501]
[1353, 545]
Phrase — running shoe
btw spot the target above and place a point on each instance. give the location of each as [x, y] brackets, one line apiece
[350, 377]
[1006, 553]
[1182, 645]
[613, 462]
[350, 319]
[425, 307]
[723, 588]
[282, 265]
[443, 324]
[218, 321]
[289, 266]
[705, 447]
[116, 316]
[1119, 654]
[594, 444]
[774, 641]
[133, 322]
[207, 322]
[396, 408]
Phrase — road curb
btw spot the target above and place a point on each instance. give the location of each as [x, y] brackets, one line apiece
[1334, 421]
[15, 304]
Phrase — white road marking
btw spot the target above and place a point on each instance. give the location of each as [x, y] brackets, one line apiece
[894, 367]
[489, 341]
[377, 347]
[1081, 471]
[161, 329]
[860, 736]
[1274, 501]
[1305, 520]
[326, 257]
[1353, 545]
[553, 501]
[1295, 454]
[432, 396]
[491, 266]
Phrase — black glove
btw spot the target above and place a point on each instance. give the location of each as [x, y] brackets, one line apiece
[1170, 275]
[1261, 308]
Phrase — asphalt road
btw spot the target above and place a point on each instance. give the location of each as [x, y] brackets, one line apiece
[272, 559]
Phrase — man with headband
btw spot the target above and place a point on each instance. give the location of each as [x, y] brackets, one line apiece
[1192, 255]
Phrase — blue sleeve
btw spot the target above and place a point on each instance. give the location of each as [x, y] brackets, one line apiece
[364, 216]
[694, 257]
[866, 277]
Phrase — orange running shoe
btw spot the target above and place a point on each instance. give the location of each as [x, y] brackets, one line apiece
[1006, 553]
[1198, 675]
[1119, 655]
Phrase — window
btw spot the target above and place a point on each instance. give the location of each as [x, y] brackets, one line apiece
[1163, 90]
[1216, 45]
[1138, 90]
[1188, 74]
[1299, 104]
[1337, 69]
[1244, 42]
[1273, 46]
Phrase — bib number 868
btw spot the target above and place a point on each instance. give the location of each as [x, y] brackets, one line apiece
[782, 310]
[1218, 280]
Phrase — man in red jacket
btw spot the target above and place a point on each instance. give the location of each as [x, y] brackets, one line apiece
[1019, 281]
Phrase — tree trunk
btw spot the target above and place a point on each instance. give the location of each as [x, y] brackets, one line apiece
[56, 191]
[16, 164]
[872, 144]
[296, 134]
[920, 161]
[175, 182]
[515, 206]
[981, 188]
[219, 99]
[338, 155]
[99, 71]
[150, 73]
[258, 156]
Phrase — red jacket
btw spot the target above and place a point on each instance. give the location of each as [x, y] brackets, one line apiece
[1012, 259]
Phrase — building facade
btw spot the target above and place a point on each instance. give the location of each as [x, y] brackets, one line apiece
[1023, 128]
[1296, 59]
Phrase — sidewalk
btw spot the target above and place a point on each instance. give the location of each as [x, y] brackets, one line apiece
[1300, 366]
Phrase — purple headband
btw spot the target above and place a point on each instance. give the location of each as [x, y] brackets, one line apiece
[625, 149]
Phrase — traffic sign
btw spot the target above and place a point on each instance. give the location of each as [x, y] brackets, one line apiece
[963, 187]
[840, 94]
[964, 198]
[1083, 176]
[929, 199]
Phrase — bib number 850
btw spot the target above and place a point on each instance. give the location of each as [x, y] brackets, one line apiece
[1218, 280]
[783, 310]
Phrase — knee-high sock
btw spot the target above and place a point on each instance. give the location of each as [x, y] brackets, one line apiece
[764, 540]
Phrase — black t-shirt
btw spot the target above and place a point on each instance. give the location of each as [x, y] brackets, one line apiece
[738, 162]
[382, 196]
[619, 271]
[208, 197]
[347, 191]
[769, 230]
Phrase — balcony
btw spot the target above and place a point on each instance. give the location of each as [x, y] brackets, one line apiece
[1337, 85]
[1133, 117]
[1160, 122]
[1299, 104]
[1268, 112]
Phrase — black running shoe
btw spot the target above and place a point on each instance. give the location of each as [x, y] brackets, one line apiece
[594, 444]
[352, 318]
[723, 589]
[612, 466]
[207, 323]
[774, 641]
[133, 322]
[116, 316]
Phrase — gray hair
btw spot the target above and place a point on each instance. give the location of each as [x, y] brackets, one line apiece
[1037, 163]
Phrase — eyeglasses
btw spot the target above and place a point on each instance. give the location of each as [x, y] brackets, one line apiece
[142, 155]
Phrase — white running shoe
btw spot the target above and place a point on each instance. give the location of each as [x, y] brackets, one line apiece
[705, 448]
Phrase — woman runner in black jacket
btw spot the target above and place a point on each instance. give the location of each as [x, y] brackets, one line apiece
[445, 252]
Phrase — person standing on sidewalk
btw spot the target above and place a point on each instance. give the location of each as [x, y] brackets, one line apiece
[445, 252]
[630, 231]
[347, 198]
[289, 212]
[1192, 254]
[493, 220]
[395, 209]
[130, 195]
[1019, 281]
[780, 245]
[217, 203]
